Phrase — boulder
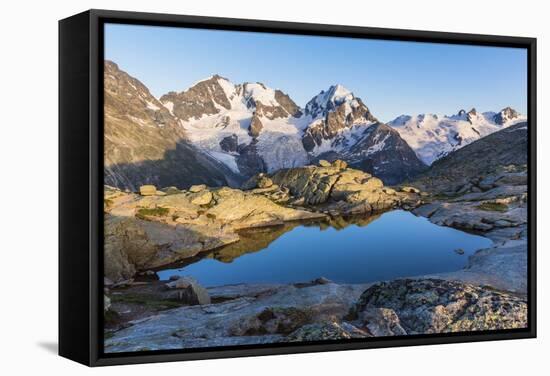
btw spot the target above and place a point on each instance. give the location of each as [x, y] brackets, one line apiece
[382, 322]
[133, 245]
[340, 164]
[201, 198]
[189, 291]
[147, 190]
[197, 188]
[237, 209]
[106, 303]
[264, 182]
[425, 306]
[408, 189]
[324, 163]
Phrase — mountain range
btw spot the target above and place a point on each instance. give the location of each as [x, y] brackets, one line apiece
[433, 137]
[220, 133]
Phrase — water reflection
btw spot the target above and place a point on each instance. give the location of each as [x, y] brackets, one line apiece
[351, 250]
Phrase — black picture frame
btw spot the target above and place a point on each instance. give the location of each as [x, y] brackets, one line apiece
[81, 184]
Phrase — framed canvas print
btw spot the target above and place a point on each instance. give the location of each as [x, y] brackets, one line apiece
[240, 187]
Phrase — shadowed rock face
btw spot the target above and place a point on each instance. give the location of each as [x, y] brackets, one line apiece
[335, 116]
[472, 163]
[230, 143]
[144, 144]
[288, 104]
[198, 100]
[255, 126]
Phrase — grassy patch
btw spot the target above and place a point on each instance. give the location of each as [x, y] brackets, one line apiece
[143, 213]
[111, 317]
[145, 301]
[493, 206]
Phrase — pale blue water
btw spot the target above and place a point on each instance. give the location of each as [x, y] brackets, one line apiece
[397, 244]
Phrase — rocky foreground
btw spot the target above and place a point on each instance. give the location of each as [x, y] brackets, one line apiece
[154, 228]
[320, 310]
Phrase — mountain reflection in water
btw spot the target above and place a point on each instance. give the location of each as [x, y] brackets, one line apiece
[346, 250]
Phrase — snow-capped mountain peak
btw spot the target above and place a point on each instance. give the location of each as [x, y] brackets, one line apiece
[329, 100]
[432, 137]
[506, 115]
[258, 92]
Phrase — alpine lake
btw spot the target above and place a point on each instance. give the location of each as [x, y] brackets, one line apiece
[394, 244]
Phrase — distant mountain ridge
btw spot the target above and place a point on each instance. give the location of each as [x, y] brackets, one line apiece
[221, 133]
[500, 150]
[433, 137]
[253, 128]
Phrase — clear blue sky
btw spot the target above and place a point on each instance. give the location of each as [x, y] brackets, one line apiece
[392, 78]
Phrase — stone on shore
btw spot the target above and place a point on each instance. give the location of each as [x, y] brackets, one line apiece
[340, 164]
[408, 189]
[202, 197]
[147, 190]
[424, 306]
[189, 291]
[197, 188]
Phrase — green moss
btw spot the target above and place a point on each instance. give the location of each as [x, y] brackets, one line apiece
[111, 317]
[108, 335]
[146, 301]
[493, 206]
[143, 213]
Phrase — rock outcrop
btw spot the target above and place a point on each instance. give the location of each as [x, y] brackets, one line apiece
[340, 189]
[144, 232]
[424, 306]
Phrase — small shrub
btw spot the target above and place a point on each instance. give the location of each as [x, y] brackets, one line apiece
[108, 202]
[143, 213]
[493, 206]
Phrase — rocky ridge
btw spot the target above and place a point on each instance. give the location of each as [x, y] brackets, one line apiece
[144, 143]
[238, 130]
